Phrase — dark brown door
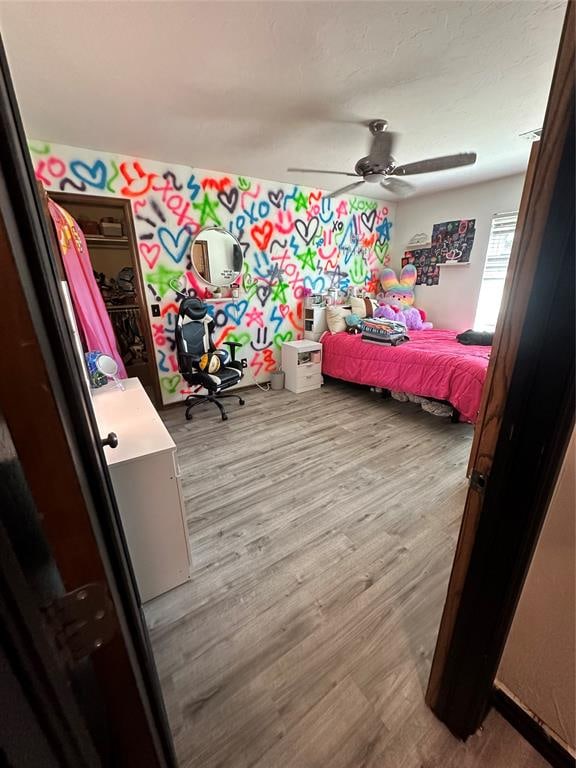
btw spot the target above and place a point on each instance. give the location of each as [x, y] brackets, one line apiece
[48, 415]
[525, 420]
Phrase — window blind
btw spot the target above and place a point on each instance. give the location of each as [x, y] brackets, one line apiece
[495, 268]
[499, 246]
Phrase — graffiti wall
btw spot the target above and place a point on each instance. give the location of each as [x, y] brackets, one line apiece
[293, 239]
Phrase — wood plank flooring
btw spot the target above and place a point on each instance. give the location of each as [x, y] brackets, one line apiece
[322, 529]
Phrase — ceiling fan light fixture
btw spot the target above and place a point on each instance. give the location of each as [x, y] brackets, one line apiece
[374, 178]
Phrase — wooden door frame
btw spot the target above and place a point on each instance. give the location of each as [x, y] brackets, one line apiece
[121, 203]
[204, 247]
[48, 412]
[528, 419]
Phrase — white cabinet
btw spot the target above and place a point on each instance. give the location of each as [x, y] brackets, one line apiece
[314, 322]
[302, 365]
[146, 479]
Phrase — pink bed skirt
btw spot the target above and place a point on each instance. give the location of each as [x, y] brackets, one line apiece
[432, 364]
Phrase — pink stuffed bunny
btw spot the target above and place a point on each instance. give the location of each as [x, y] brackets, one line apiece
[398, 292]
[398, 297]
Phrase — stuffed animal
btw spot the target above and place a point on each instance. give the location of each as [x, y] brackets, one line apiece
[410, 317]
[398, 293]
[353, 322]
[210, 362]
[398, 297]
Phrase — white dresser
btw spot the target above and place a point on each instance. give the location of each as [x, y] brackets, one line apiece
[146, 479]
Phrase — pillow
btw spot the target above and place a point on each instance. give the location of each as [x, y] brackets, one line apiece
[336, 318]
[363, 307]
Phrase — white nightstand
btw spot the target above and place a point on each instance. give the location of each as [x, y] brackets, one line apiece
[302, 365]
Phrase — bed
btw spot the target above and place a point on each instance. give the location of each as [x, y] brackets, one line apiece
[432, 364]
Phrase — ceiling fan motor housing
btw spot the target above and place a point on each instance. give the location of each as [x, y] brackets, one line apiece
[366, 168]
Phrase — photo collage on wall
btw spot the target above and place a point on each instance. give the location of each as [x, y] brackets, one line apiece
[451, 245]
[426, 263]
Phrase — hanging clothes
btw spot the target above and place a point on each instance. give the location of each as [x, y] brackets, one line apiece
[128, 332]
[88, 302]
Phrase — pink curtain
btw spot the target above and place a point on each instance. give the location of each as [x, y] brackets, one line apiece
[88, 302]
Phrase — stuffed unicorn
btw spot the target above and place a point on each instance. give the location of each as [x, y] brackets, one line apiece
[398, 297]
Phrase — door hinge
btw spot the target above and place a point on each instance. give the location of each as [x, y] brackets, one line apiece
[478, 481]
[82, 621]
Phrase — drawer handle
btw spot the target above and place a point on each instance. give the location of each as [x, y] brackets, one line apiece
[111, 440]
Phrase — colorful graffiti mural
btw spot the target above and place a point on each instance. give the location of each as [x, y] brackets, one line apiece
[293, 239]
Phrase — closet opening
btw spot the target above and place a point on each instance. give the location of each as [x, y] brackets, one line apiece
[108, 229]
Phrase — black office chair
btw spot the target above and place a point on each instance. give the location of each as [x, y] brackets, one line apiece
[193, 340]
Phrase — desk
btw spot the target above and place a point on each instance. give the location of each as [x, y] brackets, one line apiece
[146, 479]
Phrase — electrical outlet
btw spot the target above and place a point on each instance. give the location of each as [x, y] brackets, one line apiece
[155, 310]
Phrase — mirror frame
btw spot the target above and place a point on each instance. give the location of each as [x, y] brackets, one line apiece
[106, 373]
[198, 237]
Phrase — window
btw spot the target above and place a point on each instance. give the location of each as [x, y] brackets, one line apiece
[497, 258]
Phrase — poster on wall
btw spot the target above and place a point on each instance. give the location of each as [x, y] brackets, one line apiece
[426, 263]
[452, 241]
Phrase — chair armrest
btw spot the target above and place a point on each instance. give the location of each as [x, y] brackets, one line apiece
[187, 363]
[233, 346]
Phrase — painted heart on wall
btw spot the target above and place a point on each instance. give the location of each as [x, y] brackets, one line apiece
[381, 251]
[240, 338]
[176, 246]
[307, 231]
[150, 253]
[280, 338]
[94, 175]
[276, 197]
[262, 234]
[170, 383]
[368, 219]
[229, 199]
[316, 285]
[237, 311]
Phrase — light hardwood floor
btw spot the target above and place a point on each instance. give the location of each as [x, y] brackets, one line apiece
[322, 529]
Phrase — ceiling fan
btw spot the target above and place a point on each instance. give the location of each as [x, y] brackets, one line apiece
[379, 167]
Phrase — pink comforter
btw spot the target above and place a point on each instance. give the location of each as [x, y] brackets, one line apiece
[431, 364]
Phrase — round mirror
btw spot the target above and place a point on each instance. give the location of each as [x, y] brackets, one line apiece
[109, 367]
[217, 256]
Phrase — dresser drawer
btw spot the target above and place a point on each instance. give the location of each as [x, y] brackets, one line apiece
[309, 381]
[303, 372]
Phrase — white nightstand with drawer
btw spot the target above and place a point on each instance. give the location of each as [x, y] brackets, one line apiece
[302, 365]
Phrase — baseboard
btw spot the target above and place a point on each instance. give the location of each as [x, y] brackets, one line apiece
[532, 730]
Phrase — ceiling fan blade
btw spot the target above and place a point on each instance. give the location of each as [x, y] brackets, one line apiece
[435, 164]
[315, 170]
[381, 148]
[349, 188]
[397, 187]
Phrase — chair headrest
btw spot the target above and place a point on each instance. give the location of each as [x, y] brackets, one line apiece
[195, 309]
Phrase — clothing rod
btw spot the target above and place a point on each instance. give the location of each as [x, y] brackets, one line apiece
[123, 307]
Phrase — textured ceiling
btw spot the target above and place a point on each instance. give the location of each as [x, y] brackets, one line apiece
[255, 87]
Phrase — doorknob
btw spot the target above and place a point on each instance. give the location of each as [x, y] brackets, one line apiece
[111, 440]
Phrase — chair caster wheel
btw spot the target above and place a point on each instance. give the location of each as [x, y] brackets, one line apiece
[188, 417]
[224, 417]
[242, 402]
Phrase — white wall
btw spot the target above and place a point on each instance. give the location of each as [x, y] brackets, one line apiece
[538, 664]
[452, 303]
